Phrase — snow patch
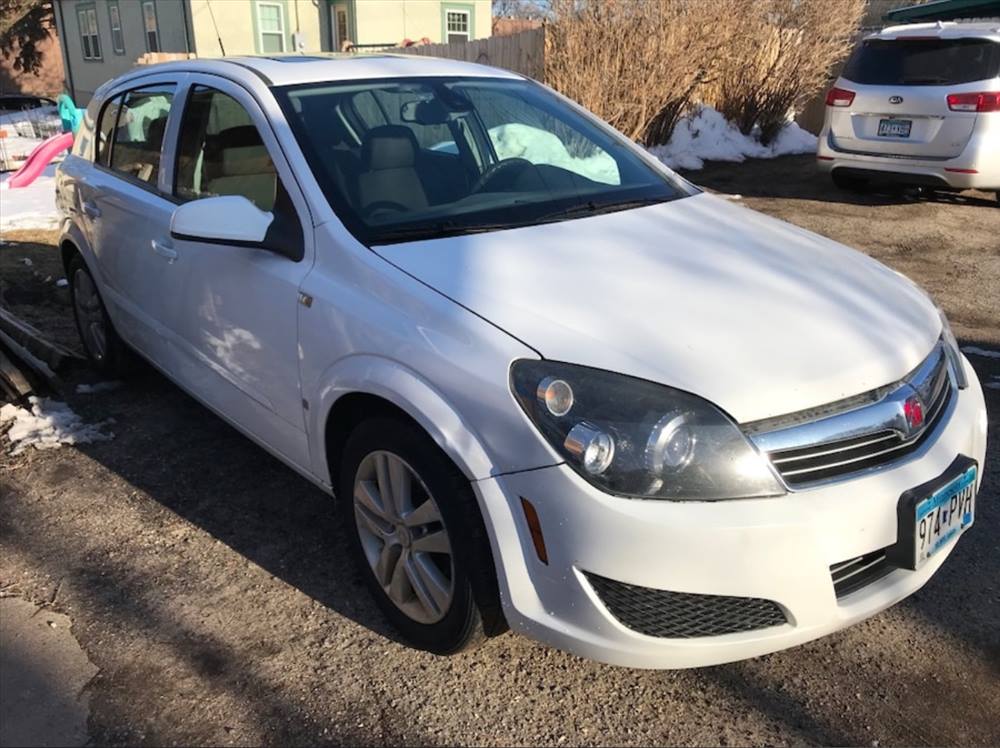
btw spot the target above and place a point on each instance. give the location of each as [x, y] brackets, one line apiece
[706, 135]
[48, 424]
[541, 147]
[973, 350]
[62, 283]
[31, 207]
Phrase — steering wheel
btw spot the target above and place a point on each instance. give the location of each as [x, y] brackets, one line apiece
[500, 168]
[380, 205]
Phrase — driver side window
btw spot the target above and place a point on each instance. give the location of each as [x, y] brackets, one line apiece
[221, 152]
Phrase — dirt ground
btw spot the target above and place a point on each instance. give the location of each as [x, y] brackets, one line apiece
[211, 588]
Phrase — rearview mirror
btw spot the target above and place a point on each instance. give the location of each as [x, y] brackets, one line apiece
[228, 219]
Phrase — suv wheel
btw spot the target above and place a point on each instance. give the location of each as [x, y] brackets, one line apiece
[418, 537]
[101, 343]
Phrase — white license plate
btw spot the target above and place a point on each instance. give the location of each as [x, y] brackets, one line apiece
[895, 128]
[944, 515]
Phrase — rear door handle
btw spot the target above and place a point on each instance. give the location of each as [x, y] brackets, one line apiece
[90, 210]
[164, 250]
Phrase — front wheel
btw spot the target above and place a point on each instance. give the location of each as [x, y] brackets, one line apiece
[418, 537]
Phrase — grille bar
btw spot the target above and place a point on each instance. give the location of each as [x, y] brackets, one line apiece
[851, 575]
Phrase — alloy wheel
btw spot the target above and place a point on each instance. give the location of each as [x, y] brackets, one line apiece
[404, 537]
[90, 314]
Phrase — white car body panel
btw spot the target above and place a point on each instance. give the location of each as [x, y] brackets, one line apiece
[663, 292]
[757, 316]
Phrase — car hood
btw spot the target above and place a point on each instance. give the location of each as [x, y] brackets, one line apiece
[758, 316]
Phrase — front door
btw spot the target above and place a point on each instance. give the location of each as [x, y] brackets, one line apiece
[340, 33]
[234, 324]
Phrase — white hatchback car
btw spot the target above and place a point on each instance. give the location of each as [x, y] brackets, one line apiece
[917, 105]
[553, 385]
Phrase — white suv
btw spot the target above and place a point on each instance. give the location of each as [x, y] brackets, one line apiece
[917, 105]
[551, 384]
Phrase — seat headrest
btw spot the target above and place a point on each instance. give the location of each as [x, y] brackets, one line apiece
[389, 147]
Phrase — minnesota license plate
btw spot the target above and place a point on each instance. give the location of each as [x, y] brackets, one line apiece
[894, 128]
[944, 515]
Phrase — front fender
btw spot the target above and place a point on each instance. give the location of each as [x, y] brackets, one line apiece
[406, 389]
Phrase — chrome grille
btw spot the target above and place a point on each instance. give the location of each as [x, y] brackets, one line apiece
[858, 438]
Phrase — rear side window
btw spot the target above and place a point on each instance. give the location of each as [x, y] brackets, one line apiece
[923, 62]
[139, 130]
[221, 152]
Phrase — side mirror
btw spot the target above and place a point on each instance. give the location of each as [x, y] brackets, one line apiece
[228, 219]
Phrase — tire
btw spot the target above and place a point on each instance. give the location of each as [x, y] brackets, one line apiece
[849, 183]
[397, 551]
[105, 349]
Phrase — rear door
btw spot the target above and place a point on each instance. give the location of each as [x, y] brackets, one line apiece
[127, 210]
[901, 89]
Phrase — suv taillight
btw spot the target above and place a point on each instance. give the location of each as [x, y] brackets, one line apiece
[975, 102]
[839, 97]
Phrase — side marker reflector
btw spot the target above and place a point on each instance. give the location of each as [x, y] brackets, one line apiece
[535, 528]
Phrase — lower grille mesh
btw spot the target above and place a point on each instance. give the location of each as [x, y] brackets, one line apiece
[851, 575]
[683, 615]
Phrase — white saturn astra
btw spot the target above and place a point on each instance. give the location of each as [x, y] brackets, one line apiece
[917, 105]
[554, 386]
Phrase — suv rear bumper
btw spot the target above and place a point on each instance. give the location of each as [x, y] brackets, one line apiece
[977, 167]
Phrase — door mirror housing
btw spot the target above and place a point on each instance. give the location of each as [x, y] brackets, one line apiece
[228, 219]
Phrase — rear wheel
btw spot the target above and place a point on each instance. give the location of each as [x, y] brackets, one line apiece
[101, 343]
[849, 183]
[418, 537]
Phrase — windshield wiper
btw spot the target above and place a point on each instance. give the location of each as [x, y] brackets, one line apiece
[592, 208]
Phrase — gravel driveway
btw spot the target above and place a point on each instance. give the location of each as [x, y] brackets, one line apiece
[211, 588]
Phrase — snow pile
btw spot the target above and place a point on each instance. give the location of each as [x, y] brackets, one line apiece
[31, 207]
[541, 147]
[707, 136]
[48, 424]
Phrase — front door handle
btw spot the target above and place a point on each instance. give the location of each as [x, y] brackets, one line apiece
[164, 250]
[90, 210]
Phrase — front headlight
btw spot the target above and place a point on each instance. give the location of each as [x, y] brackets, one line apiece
[634, 438]
[953, 352]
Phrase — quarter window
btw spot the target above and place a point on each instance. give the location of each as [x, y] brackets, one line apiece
[90, 39]
[457, 25]
[117, 37]
[271, 26]
[221, 152]
[138, 134]
[152, 28]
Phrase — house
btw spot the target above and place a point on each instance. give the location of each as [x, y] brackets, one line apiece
[104, 38]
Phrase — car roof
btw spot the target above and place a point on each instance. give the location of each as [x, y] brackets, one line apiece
[942, 30]
[287, 70]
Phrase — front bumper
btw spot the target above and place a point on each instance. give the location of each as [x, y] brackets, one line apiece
[777, 549]
[981, 156]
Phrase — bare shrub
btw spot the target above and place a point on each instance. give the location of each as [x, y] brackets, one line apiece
[637, 63]
[781, 59]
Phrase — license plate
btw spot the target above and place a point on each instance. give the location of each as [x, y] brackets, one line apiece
[944, 515]
[931, 516]
[894, 128]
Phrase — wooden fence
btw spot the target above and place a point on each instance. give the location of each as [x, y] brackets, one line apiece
[523, 52]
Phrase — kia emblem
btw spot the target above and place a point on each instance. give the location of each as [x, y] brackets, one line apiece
[913, 410]
[895, 99]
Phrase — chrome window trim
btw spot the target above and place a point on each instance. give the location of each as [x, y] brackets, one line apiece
[884, 413]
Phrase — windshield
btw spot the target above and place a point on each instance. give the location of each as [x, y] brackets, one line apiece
[418, 158]
[923, 62]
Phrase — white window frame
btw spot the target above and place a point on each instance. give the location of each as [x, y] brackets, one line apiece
[468, 24]
[90, 36]
[149, 13]
[260, 26]
[117, 33]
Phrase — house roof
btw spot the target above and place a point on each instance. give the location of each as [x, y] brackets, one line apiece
[946, 10]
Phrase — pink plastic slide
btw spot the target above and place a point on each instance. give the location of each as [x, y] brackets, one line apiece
[40, 157]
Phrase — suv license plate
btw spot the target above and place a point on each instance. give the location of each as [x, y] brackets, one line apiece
[894, 128]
